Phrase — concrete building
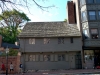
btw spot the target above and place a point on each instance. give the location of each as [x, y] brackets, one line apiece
[88, 20]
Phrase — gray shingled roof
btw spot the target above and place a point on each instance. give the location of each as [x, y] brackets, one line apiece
[49, 29]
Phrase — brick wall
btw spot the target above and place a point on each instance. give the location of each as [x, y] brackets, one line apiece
[15, 61]
[71, 12]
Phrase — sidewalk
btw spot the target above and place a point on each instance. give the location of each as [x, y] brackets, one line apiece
[64, 72]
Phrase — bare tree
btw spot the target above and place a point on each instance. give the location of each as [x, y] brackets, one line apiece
[13, 4]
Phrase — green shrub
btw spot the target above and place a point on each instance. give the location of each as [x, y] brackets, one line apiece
[12, 52]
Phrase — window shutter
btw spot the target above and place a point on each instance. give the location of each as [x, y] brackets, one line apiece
[41, 57]
[56, 58]
[51, 57]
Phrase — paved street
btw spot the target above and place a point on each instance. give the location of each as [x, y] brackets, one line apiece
[65, 72]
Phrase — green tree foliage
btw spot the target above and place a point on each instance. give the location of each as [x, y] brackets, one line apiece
[11, 21]
[65, 20]
[7, 35]
[11, 53]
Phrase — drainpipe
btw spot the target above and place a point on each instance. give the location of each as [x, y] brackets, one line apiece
[24, 55]
[82, 58]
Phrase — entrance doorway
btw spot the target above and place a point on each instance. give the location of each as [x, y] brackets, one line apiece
[72, 61]
[89, 59]
[97, 58]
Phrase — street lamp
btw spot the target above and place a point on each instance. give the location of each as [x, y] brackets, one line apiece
[7, 51]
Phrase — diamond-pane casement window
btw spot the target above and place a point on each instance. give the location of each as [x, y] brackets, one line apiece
[31, 57]
[46, 40]
[46, 57]
[32, 41]
[61, 57]
[60, 40]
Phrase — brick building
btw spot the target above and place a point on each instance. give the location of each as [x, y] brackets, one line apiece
[14, 59]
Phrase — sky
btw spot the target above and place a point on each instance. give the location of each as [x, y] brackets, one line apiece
[57, 13]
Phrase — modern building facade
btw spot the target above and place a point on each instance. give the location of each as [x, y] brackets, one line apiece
[50, 45]
[88, 19]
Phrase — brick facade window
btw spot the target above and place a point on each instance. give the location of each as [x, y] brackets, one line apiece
[90, 1]
[92, 15]
[94, 33]
[97, 1]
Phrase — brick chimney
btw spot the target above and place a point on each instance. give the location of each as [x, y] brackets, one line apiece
[71, 12]
[0, 40]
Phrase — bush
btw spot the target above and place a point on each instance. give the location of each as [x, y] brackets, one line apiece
[12, 52]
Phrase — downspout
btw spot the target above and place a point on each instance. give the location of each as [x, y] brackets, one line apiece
[24, 42]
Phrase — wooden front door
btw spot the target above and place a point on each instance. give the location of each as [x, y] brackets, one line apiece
[72, 61]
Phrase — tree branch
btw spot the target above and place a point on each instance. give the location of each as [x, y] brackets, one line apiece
[3, 4]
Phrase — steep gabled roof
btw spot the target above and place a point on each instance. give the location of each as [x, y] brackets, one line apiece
[49, 29]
